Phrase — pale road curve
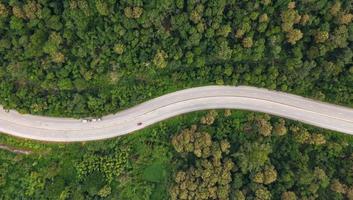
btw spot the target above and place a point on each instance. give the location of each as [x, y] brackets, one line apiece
[290, 106]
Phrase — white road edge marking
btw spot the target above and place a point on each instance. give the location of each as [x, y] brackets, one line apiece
[290, 106]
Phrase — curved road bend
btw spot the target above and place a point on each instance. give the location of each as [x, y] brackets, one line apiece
[294, 107]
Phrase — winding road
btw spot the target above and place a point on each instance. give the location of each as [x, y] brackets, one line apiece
[294, 107]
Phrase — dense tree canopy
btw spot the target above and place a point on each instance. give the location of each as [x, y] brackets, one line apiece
[92, 57]
[187, 159]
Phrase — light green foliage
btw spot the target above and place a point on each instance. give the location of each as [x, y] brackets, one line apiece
[263, 18]
[289, 18]
[321, 178]
[155, 173]
[264, 126]
[110, 166]
[301, 135]
[159, 59]
[16, 24]
[119, 48]
[294, 35]
[149, 172]
[34, 182]
[153, 170]
[224, 30]
[105, 191]
[64, 194]
[65, 84]
[239, 195]
[247, 42]
[59, 57]
[194, 182]
[209, 118]
[317, 139]
[340, 36]
[252, 156]
[335, 8]
[102, 7]
[288, 196]
[239, 33]
[321, 36]
[79, 58]
[223, 51]
[211, 176]
[228, 70]
[279, 128]
[266, 176]
[191, 141]
[195, 43]
[17, 11]
[3, 10]
[263, 194]
[338, 187]
[32, 10]
[3, 171]
[304, 137]
[196, 14]
[53, 43]
[133, 12]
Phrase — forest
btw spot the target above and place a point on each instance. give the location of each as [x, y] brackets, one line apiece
[80, 58]
[213, 154]
[92, 57]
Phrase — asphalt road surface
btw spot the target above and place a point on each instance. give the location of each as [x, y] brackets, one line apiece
[294, 107]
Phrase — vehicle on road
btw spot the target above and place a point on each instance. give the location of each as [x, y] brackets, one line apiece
[294, 107]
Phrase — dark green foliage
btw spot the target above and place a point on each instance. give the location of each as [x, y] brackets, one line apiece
[93, 57]
[276, 165]
[144, 165]
[155, 173]
[93, 183]
[252, 156]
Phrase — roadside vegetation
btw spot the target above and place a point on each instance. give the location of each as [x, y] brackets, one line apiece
[204, 155]
[93, 57]
[79, 58]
